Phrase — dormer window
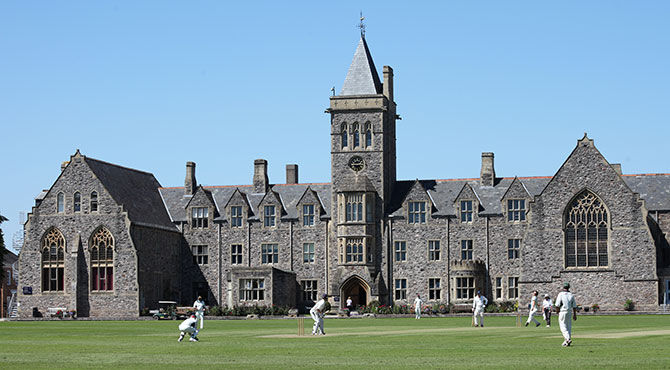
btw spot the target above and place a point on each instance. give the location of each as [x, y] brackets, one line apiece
[269, 216]
[416, 212]
[236, 216]
[199, 217]
[308, 215]
[466, 211]
[77, 202]
[516, 210]
[94, 202]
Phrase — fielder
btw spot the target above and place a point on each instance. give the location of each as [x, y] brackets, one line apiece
[199, 306]
[188, 326]
[317, 315]
[547, 306]
[478, 305]
[533, 310]
[417, 306]
[567, 304]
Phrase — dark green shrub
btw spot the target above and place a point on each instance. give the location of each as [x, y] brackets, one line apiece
[629, 305]
[215, 311]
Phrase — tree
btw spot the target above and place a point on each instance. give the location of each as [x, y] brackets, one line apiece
[2, 249]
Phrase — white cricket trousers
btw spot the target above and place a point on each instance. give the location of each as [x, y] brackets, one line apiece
[318, 323]
[417, 311]
[531, 317]
[479, 317]
[200, 315]
[190, 330]
[565, 323]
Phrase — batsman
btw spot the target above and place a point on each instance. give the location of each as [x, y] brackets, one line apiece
[317, 313]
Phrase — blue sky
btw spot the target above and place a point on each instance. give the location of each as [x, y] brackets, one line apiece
[153, 84]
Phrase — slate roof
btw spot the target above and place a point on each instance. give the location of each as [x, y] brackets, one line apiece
[136, 191]
[289, 194]
[362, 77]
[653, 188]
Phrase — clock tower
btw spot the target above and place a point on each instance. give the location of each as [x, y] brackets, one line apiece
[363, 172]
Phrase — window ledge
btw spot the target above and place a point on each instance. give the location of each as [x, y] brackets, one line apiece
[588, 269]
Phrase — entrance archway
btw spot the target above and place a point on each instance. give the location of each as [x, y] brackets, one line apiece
[357, 289]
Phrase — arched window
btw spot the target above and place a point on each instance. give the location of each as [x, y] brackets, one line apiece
[77, 202]
[586, 232]
[357, 136]
[60, 203]
[53, 261]
[94, 201]
[368, 135]
[345, 136]
[102, 260]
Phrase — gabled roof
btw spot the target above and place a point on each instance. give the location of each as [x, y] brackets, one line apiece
[136, 191]
[362, 77]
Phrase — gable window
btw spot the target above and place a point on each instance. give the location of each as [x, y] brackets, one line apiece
[433, 250]
[417, 212]
[400, 289]
[513, 246]
[368, 135]
[60, 203]
[269, 253]
[102, 261]
[200, 256]
[516, 210]
[586, 232]
[236, 254]
[466, 249]
[499, 288]
[53, 261]
[354, 207]
[252, 289]
[269, 213]
[344, 136]
[466, 211]
[77, 202]
[357, 136]
[308, 215]
[236, 216]
[309, 290]
[94, 201]
[434, 291]
[465, 288]
[400, 251]
[199, 217]
[512, 288]
[308, 253]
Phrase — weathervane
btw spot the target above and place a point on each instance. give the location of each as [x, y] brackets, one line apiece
[362, 25]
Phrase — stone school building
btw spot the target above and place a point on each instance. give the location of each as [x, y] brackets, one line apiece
[107, 241]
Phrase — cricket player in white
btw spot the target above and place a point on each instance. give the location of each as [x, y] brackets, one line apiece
[188, 326]
[199, 306]
[317, 315]
[478, 305]
[547, 306]
[567, 304]
[417, 306]
[533, 310]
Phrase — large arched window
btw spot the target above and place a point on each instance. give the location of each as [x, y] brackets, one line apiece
[586, 232]
[53, 261]
[344, 136]
[102, 260]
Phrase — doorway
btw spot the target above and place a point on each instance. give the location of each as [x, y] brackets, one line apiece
[357, 289]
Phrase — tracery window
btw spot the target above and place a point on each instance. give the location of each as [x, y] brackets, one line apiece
[354, 207]
[102, 260]
[586, 232]
[77, 201]
[53, 261]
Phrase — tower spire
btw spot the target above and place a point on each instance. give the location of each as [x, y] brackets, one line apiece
[361, 25]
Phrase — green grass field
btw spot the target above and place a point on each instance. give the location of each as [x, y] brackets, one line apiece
[599, 341]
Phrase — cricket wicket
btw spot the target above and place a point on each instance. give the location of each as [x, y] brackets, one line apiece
[301, 326]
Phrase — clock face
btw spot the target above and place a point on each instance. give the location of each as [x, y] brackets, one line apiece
[356, 163]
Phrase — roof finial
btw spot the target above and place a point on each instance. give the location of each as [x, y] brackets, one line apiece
[362, 25]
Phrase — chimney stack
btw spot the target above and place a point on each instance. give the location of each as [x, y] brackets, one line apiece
[388, 82]
[291, 173]
[261, 176]
[189, 183]
[617, 168]
[488, 172]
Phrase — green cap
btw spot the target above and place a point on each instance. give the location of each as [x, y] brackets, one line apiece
[566, 285]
